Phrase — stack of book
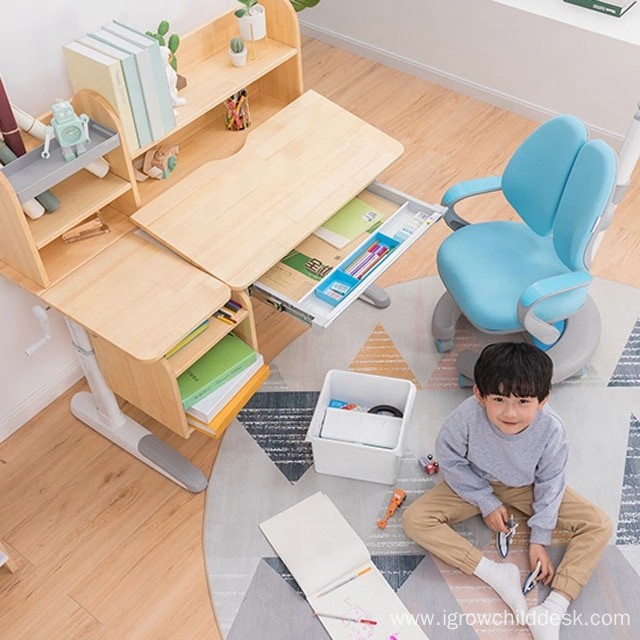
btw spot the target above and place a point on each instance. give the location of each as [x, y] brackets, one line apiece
[204, 413]
[126, 68]
[226, 359]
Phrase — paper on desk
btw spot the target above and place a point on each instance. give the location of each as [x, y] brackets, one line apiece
[320, 549]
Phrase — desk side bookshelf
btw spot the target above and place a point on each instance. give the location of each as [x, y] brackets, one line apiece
[33, 255]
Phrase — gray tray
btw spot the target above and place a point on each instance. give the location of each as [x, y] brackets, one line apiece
[31, 174]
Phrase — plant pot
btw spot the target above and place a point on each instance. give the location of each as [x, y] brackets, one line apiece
[238, 59]
[253, 26]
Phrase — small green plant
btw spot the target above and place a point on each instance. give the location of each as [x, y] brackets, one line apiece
[236, 45]
[248, 6]
[299, 5]
[172, 42]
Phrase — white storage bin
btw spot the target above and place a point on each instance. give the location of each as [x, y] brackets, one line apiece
[374, 450]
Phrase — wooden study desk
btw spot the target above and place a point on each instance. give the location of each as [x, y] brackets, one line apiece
[216, 227]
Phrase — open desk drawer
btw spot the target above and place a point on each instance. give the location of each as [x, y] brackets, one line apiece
[335, 286]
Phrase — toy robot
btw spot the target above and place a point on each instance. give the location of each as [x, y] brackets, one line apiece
[69, 129]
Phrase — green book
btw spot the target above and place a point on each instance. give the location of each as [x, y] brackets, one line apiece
[354, 218]
[612, 7]
[222, 362]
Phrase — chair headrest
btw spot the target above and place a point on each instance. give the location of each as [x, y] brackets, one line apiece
[536, 175]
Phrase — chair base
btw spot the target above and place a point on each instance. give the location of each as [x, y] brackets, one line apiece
[569, 354]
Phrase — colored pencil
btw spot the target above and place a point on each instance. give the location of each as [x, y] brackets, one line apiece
[345, 581]
[348, 618]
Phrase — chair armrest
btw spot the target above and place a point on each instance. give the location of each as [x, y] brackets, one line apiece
[544, 289]
[463, 190]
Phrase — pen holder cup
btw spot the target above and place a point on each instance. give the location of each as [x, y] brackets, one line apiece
[236, 107]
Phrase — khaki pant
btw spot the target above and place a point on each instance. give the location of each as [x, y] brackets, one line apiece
[427, 521]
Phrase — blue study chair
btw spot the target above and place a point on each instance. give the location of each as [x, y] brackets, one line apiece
[531, 277]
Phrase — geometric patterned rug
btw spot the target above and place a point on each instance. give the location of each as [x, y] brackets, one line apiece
[264, 466]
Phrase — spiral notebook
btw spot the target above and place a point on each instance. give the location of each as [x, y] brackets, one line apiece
[333, 567]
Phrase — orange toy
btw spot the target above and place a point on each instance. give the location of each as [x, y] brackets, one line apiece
[396, 500]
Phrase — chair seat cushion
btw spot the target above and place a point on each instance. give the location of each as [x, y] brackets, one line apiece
[487, 266]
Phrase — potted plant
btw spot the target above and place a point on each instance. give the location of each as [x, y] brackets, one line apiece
[237, 51]
[299, 5]
[172, 43]
[251, 20]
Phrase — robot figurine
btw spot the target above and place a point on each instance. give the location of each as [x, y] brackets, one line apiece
[69, 129]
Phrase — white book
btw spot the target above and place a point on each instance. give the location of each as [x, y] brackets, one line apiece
[206, 409]
[90, 69]
[333, 567]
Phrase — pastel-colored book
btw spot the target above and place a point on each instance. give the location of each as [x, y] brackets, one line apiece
[224, 360]
[354, 219]
[333, 567]
[134, 87]
[206, 409]
[90, 69]
[157, 67]
[8, 125]
[187, 339]
[145, 73]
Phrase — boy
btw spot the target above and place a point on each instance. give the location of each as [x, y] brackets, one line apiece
[501, 448]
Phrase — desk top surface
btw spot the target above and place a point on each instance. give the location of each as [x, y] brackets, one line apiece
[237, 217]
[138, 296]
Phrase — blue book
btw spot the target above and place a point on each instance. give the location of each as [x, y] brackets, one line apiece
[157, 67]
[147, 80]
[132, 82]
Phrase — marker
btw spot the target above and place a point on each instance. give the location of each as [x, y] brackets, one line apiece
[349, 579]
[335, 617]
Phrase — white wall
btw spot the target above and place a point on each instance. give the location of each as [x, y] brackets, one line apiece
[518, 59]
[32, 70]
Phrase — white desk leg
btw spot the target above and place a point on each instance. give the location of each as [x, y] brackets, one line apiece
[99, 409]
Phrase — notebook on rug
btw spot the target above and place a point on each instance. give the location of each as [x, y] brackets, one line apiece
[333, 567]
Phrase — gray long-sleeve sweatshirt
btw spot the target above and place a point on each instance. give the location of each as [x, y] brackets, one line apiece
[472, 452]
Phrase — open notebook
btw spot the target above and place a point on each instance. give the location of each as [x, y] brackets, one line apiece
[323, 553]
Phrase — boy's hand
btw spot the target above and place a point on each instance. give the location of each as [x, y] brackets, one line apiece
[497, 519]
[538, 552]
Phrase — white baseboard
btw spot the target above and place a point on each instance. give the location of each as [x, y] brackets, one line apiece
[443, 78]
[39, 399]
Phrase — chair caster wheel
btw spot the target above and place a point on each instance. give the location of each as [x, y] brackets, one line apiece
[464, 382]
[443, 346]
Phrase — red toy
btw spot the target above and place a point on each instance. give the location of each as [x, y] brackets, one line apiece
[430, 466]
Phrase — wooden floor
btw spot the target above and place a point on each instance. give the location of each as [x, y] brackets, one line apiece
[108, 549]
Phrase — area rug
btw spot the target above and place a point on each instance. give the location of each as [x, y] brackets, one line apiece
[264, 466]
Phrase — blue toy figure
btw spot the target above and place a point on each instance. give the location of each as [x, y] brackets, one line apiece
[69, 129]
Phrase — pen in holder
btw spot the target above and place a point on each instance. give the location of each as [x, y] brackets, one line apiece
[237, 115]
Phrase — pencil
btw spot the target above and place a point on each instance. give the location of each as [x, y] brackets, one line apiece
[349, 579]
[348, 618]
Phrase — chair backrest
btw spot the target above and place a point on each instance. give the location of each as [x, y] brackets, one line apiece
[537, 173]
[583, 202]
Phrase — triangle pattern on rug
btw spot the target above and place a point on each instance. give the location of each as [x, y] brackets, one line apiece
[629, 515]
[278, 421]
[380, 356]
[627, 371]
[281, 569]
[397, 568]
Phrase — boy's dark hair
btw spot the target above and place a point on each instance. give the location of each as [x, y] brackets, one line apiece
[513, 368]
